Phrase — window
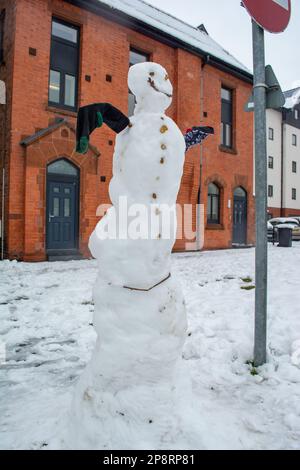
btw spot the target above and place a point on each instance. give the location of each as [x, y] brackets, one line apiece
[294, 194]
[135, 57]
[271, 133]
[294, 140]
[62, 167]
[271, 163]
[213, 204]
[270, 191]
[226, 117]
[63, 77]
[2, 20]
[296, 114]
[294, 167]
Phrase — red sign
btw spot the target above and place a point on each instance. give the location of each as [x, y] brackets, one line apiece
[272, 15]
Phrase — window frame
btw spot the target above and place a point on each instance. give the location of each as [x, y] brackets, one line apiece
[2, 26]
[294, 166]
[147, 55]
[294, 140]
[271, 133]
[271, 162]
[63, 73]
[209, 219]
[294, 194]
[226, 102]
[296, 115]
[270, 191]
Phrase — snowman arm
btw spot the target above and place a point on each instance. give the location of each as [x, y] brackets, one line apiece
[93, 116]
[196, 135]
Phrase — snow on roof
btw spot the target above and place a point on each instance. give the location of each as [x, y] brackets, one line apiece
[174, 27]
[292, 98]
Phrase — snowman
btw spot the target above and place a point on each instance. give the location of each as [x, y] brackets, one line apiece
[133, 393]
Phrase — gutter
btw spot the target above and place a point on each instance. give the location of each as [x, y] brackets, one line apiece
[116, 16]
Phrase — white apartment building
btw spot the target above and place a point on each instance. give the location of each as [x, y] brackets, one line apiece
[283, 147]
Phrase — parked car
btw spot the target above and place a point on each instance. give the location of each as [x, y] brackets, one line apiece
[273, 225]
[296, 218]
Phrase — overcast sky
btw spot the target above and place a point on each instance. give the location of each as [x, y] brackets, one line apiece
[230, 25]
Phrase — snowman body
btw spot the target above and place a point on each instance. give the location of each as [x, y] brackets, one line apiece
[132, 394]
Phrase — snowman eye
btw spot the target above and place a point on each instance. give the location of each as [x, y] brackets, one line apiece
[166, 77]
[151, 74]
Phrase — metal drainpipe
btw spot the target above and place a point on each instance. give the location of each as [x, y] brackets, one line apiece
[282, 162]
[3, 214]
[3, 179]
[205, 61]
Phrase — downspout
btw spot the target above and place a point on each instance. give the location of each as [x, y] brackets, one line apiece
[3, 213]
[3, 177]
[198, 215]
[282, 163]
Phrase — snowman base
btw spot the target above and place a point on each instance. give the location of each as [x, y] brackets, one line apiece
[134, 392]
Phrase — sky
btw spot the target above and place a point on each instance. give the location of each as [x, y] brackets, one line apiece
[230, 25]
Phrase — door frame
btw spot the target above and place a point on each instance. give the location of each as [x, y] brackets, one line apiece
[246, 211]
[63, 179]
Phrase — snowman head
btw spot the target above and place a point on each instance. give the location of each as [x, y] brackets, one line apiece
[150, 84]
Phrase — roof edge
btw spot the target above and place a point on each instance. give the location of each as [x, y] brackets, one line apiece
[117, 16]
[48, 130]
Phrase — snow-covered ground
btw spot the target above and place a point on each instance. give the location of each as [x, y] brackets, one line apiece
[46, 329]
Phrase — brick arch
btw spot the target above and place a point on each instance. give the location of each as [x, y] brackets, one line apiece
[222, 185]
[63, 157]
[40, 151]
[241, 187]
[241, 181]
[217, 180]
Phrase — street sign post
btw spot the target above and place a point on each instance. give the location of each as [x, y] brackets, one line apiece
[274, 16]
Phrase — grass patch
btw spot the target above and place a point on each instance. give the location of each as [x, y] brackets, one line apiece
[252, 368]
[247, 287]
[87, 302]
[247, 280]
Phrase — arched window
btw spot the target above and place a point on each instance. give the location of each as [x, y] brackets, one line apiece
[62, 167]
[213, 204]
[240, 192]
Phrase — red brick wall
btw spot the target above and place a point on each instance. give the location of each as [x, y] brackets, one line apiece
[291, 212]
[274, 211]
[227, 169]
[6, 73]
[105, 50]
[286, 212]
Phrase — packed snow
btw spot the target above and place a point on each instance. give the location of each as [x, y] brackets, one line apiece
[46, 325]
[133, 377]
[293, 99]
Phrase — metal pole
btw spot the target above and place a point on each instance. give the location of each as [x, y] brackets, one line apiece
[261, 257]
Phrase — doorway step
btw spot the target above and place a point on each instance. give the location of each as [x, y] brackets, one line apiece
[239, 246]
[64, 255]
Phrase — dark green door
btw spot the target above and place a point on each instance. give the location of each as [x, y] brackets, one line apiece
[240, 217]
[62, 207]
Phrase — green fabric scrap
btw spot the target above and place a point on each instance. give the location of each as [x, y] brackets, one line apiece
[83, 145]
[99, 119]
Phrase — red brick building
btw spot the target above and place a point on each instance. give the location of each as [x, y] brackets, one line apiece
[61, 54]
